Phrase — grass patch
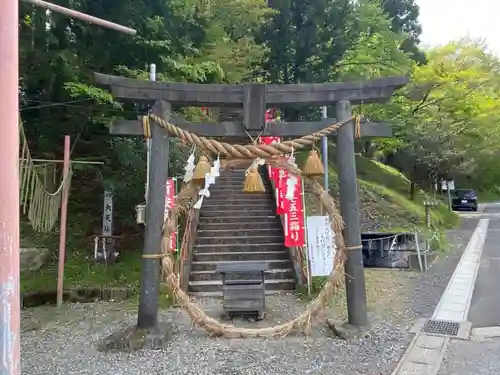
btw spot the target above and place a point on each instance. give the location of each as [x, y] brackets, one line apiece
[80, 270]
[385, 203]
[489, 195]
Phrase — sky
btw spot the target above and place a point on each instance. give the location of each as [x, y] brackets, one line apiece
[446, 20]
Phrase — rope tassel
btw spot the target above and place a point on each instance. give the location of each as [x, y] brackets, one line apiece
[253, 182]
[201, 170]
[313, 166]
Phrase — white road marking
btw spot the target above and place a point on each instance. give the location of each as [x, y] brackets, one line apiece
[455, 302]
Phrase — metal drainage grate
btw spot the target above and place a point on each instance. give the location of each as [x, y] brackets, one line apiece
[441, 327]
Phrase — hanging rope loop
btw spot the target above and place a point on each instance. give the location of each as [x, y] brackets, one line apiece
[248, 151]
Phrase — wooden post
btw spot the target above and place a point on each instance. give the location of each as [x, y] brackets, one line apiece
[324, 150]
[9, 192]
[155, 210]
[62, 231]
[349, 207]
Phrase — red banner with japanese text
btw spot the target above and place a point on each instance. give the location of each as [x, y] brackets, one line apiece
[281, 190]
[294, 217]
[272, 172]
[169, 203]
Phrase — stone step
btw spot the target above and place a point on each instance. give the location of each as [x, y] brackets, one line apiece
[237, 213]
[240, 224]
[223, 220]
[246, 200]
[216, 285]
[210, 265]
[239, 193]
[239, 247]
[236, 205]
[238, 239]
[230, 177]
[240, 256]
[234, 190]
[218, 294]
[234, 230]
[211, 275]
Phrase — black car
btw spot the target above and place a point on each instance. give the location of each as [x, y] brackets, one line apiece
[464, 199]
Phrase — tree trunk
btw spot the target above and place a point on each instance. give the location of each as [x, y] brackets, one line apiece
[413, 184]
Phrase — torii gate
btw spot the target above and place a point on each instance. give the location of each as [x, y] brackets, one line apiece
[254, 99]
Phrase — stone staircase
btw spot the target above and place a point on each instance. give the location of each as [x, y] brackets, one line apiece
[235, 226]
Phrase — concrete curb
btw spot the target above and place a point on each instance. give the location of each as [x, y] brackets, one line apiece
[424, 356]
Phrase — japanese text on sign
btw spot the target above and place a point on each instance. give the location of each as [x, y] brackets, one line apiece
[294, 216]
[107, 214]
[320, 245]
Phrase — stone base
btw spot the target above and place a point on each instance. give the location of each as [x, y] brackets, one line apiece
[32, 259]
[134, 338]
[346, 331]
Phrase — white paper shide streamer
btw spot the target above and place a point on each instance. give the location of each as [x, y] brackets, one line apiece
[209, 180]
[215, 170]
[203, 192]
[189, 168]
[291, 182]
[292, 179]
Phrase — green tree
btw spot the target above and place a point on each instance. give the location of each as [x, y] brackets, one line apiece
[446, 118]
[404, 18]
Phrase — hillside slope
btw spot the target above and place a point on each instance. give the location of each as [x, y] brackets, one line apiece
[385, 203]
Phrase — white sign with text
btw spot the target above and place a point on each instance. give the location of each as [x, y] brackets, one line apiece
[320, 245]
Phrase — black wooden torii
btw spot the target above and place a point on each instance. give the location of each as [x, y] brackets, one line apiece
[254, 99]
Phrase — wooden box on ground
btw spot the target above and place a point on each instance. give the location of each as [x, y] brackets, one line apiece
[240, 295]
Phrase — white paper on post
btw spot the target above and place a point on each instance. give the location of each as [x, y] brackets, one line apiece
[321, 248]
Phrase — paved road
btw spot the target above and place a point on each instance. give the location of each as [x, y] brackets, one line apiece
[481, 355]
[485, 306]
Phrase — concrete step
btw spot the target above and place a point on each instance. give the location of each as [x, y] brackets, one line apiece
[238, 213]
[237, 205]
[218, 294]
[246, 199]
[231, 177]
[238, 193]
[224, 220]
[240, 224]
[239, 247]
[210, 265]
[211, 275]
[216, 285]
[241, 256]
[233, 229]
[237, 239]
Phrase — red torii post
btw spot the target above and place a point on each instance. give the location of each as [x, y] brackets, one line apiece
[9, 192]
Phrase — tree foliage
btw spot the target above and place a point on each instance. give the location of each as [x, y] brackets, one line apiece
[445, 119]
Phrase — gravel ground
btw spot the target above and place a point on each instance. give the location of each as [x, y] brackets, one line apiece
[64, 342]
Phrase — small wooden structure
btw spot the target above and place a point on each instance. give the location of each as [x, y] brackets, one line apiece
[243, 296]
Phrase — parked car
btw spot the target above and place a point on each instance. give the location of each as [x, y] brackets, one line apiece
[464, 199]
